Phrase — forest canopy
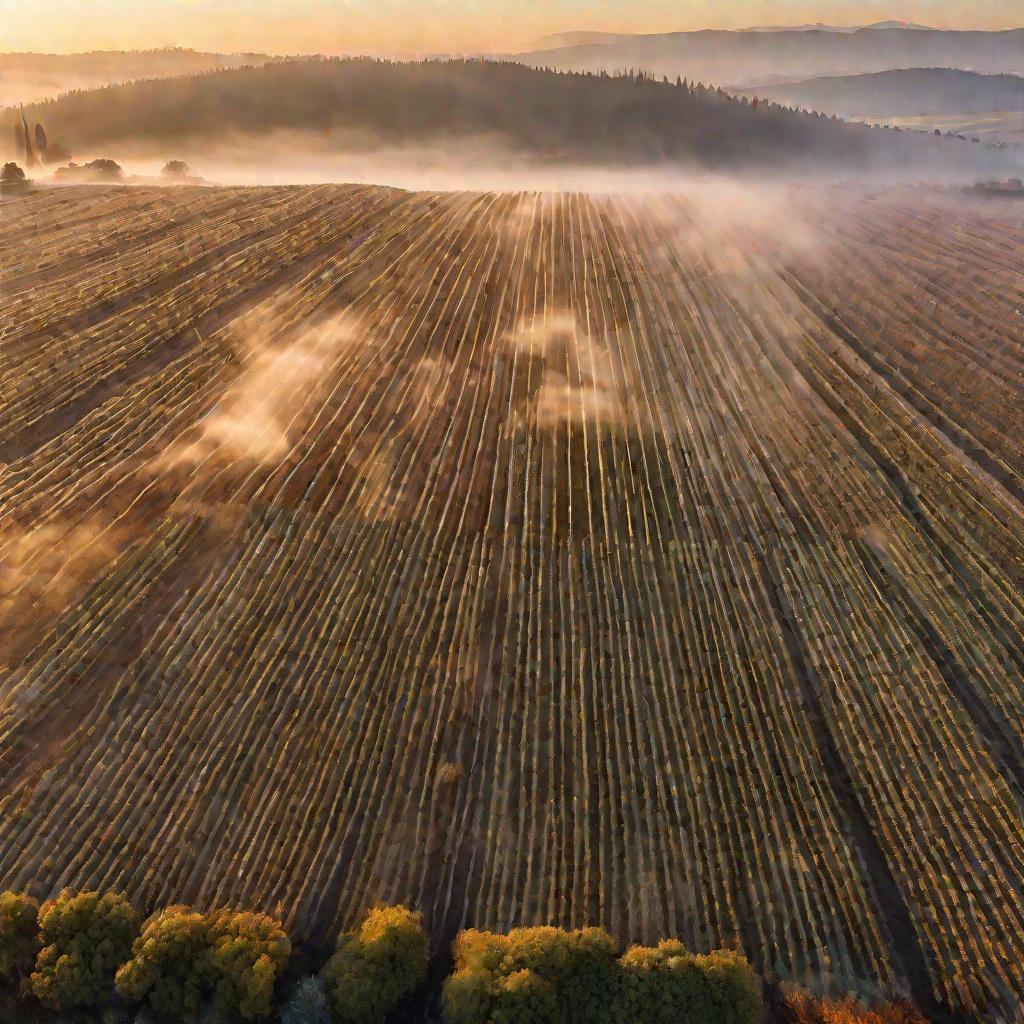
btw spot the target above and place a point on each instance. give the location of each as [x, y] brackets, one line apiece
[629, 119]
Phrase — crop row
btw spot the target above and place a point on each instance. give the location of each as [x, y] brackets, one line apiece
[654, 562]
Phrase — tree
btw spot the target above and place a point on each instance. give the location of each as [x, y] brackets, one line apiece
[30, 154]
[666, 983]
[248, 953]
[171, 965]
[176, 169]
[19, 914]
[85, 938]
[105, 170]
[308, 1004]
[12, 174]
[56, 154]
[532, 974]
[41, 140]
[376, 966]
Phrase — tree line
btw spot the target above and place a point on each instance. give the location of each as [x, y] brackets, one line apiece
[88, 954]
[625, 118]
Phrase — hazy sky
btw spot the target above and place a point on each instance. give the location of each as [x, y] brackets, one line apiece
[330, 26]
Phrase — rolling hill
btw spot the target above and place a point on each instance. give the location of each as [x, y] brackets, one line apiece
[913, 92]
[560, 39]
[513, 109]
[751, 56]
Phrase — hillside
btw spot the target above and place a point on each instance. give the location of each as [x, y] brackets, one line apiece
[913, 92]
[751, 56]
[559, 39]
[506, 107]
[819, 27]
[655, 563]
[28, 77]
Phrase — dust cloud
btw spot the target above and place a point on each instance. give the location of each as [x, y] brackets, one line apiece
[282, 369]
[579, 384]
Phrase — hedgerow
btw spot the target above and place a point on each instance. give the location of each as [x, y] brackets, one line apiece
[376, 966]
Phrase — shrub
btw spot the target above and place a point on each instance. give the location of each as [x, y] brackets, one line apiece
[11, 173]
[308, 1004]
[85, 938]
[248, 952]
[377, 965]
[176, 169]
[800, 1007]
[19, 936]
[667, 984]
[532, 974]
[171, 966]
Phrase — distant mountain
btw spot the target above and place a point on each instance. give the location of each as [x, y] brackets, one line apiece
[902, 24]
[819, 27]
[504, 109]
[751, 56]
[27, 77]
[560, 39]
[913, 92]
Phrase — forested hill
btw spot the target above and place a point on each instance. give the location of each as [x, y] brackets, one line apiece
[622, 121]
[913, 92]
[752, 57]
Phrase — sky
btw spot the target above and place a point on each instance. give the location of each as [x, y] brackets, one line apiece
[339, 26]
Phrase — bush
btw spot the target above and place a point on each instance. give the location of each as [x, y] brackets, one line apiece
[19, 936]
[12, 174]
[171, 966]
[532, 975]
[551, 976]
[377, 966]
[85, 938]
[176, 169]
[308, 1004]
[800, 1007]
[667, 984]
[248, 952]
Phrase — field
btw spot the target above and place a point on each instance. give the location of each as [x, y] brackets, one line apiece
[654, 562]
[1005, 125]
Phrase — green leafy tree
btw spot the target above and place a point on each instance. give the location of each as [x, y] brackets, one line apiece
[376, 966]
[667, 984]
[19, 936]
[532, 976]
[85, 938]
[171, 967]
[247, 953]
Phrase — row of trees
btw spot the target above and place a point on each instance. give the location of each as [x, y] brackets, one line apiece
[76, 953]
[547, 974]
[628, 118]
